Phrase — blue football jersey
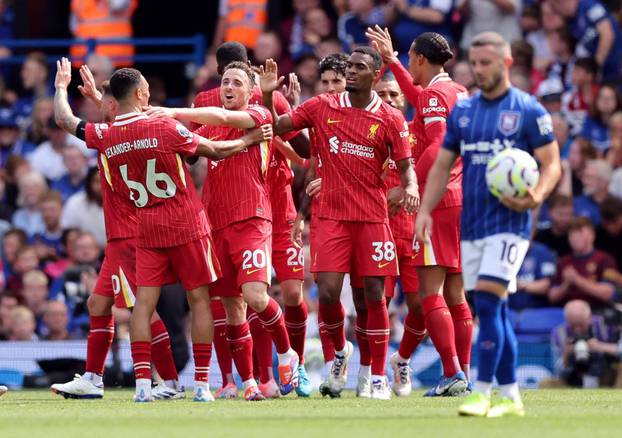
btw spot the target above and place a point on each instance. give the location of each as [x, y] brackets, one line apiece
[478, 129]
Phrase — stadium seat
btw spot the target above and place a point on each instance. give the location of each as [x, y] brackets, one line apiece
[536, 324]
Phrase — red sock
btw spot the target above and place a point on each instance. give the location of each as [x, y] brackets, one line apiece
[272, 319]
[333, 317]
[441, 330]
[296, 323]
[328, 348]
[223, 354]
[202, 357]
[141, 356]
[262, 345]
[414, 332]
[378, 335]
[463, 328]
[241, 347]
[98, 343]
[161, 353]
[361, 337]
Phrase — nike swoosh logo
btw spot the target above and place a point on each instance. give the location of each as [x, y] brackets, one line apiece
[296, 269]
[379, 342]
[331, 121]
[252, 271]
[382, 265]
[214, 138]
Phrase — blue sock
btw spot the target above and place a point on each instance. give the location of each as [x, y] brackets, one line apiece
[506, 371]
[491, 335]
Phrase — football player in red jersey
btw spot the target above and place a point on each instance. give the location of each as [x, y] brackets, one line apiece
[357, 132]
[173, 233]
[287, 259]
[245, 211]
[446, 314]
[116, 282]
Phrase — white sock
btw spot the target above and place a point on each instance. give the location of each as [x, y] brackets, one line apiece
[483, 387]
[401, 360]
[341, 353]
[375, 378]
[511, 391]
[94, 378]
[327, 367]
[285, 357]
[143, 384]
[247, 383]
[365, 370]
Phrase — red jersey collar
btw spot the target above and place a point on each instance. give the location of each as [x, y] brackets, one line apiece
[127, 118]
[441, 77]
[372, 107]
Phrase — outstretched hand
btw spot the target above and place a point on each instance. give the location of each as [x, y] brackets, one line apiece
[380, 39]
[63, 73]
[269, 79]
[89, 87]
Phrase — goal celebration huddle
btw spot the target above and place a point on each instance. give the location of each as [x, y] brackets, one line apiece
[440, 203]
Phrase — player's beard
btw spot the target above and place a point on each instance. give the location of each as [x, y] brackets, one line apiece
[495, 81]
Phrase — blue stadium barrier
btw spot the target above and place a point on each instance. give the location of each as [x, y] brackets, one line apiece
[196, 43]
[536, 324]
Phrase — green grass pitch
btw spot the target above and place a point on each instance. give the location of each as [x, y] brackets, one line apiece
[550, 413]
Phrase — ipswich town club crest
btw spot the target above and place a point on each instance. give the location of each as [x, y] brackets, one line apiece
[509, 122]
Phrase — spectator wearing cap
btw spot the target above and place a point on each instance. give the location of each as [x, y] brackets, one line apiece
[48, 157]
[10, 143]
[352, 25]
[534, 278]
[576, 102]
[609, 232]
[49, 242]
[595, 178]
[596, 126]
[559, 210]
[415, 17]
[587, 274]
[549, 93]
[76, 163]
[28, 217]
[486, 15]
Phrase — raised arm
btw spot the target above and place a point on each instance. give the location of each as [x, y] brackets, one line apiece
[218, 150]
[606, 38]
[62, 111]
[269, 81]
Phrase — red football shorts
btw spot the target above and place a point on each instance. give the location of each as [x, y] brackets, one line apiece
[443, 248]
[117, 276]
[194, 264]
[243, 249]
[287, 260]
[364, 247]
[408, 270]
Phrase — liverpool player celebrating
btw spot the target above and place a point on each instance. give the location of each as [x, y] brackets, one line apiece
[438, 259]
[357, 132]
[173, 233]
[117, 278]
[241, 220]
[495, 233]
[287, 259]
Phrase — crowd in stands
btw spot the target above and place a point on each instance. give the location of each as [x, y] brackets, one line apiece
[568, 53]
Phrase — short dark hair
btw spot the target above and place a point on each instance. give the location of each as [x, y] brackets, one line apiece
[124, 81]
[19, 233]
[229, 52]
[105, 86]
[336, 62]
[373, 53]
[611, 209]
[587, 64]
[580, 222]
[244, 67]
[434, 47]
[558, 200]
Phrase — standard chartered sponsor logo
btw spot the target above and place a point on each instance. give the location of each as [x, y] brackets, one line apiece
[344, 147]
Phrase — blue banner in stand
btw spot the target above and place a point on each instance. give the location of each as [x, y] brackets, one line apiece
[19, 359]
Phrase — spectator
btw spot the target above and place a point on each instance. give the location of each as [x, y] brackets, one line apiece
[292, 31]
[327, 46]
[100, 20]
[587, 274]
[615, 186]
[562, 131]
[22, 325]
[597, 32]
[37, 131]
[317, 26]
[12, 241]
[34, 75]
[417, 16]
[546, 23]
[595, 178]
[26, 260]
[576, 102]
[56, 318]
[240, 20]
[522, 55]
[306, 68]
[581, 151]
[462, 74]
[353, 24]
[6, 211]
[10, 143]
[581, 347]
[69, 237]
[28, 217]
[49, 242]
[84, 209]
[76, 164]
[560, 213]
[563, 45]
[101, 67]
[614, 154]
[596, 126]
[48, 157]
[549, 93]
[534, 278]
[609, 233]
[34, 294]
[269, 47]
[8, 302]
[501, 16]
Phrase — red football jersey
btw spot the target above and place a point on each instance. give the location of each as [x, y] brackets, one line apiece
[433, 107]
[235, 188]
[352, 145]
[145, 158]
[119, 214]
